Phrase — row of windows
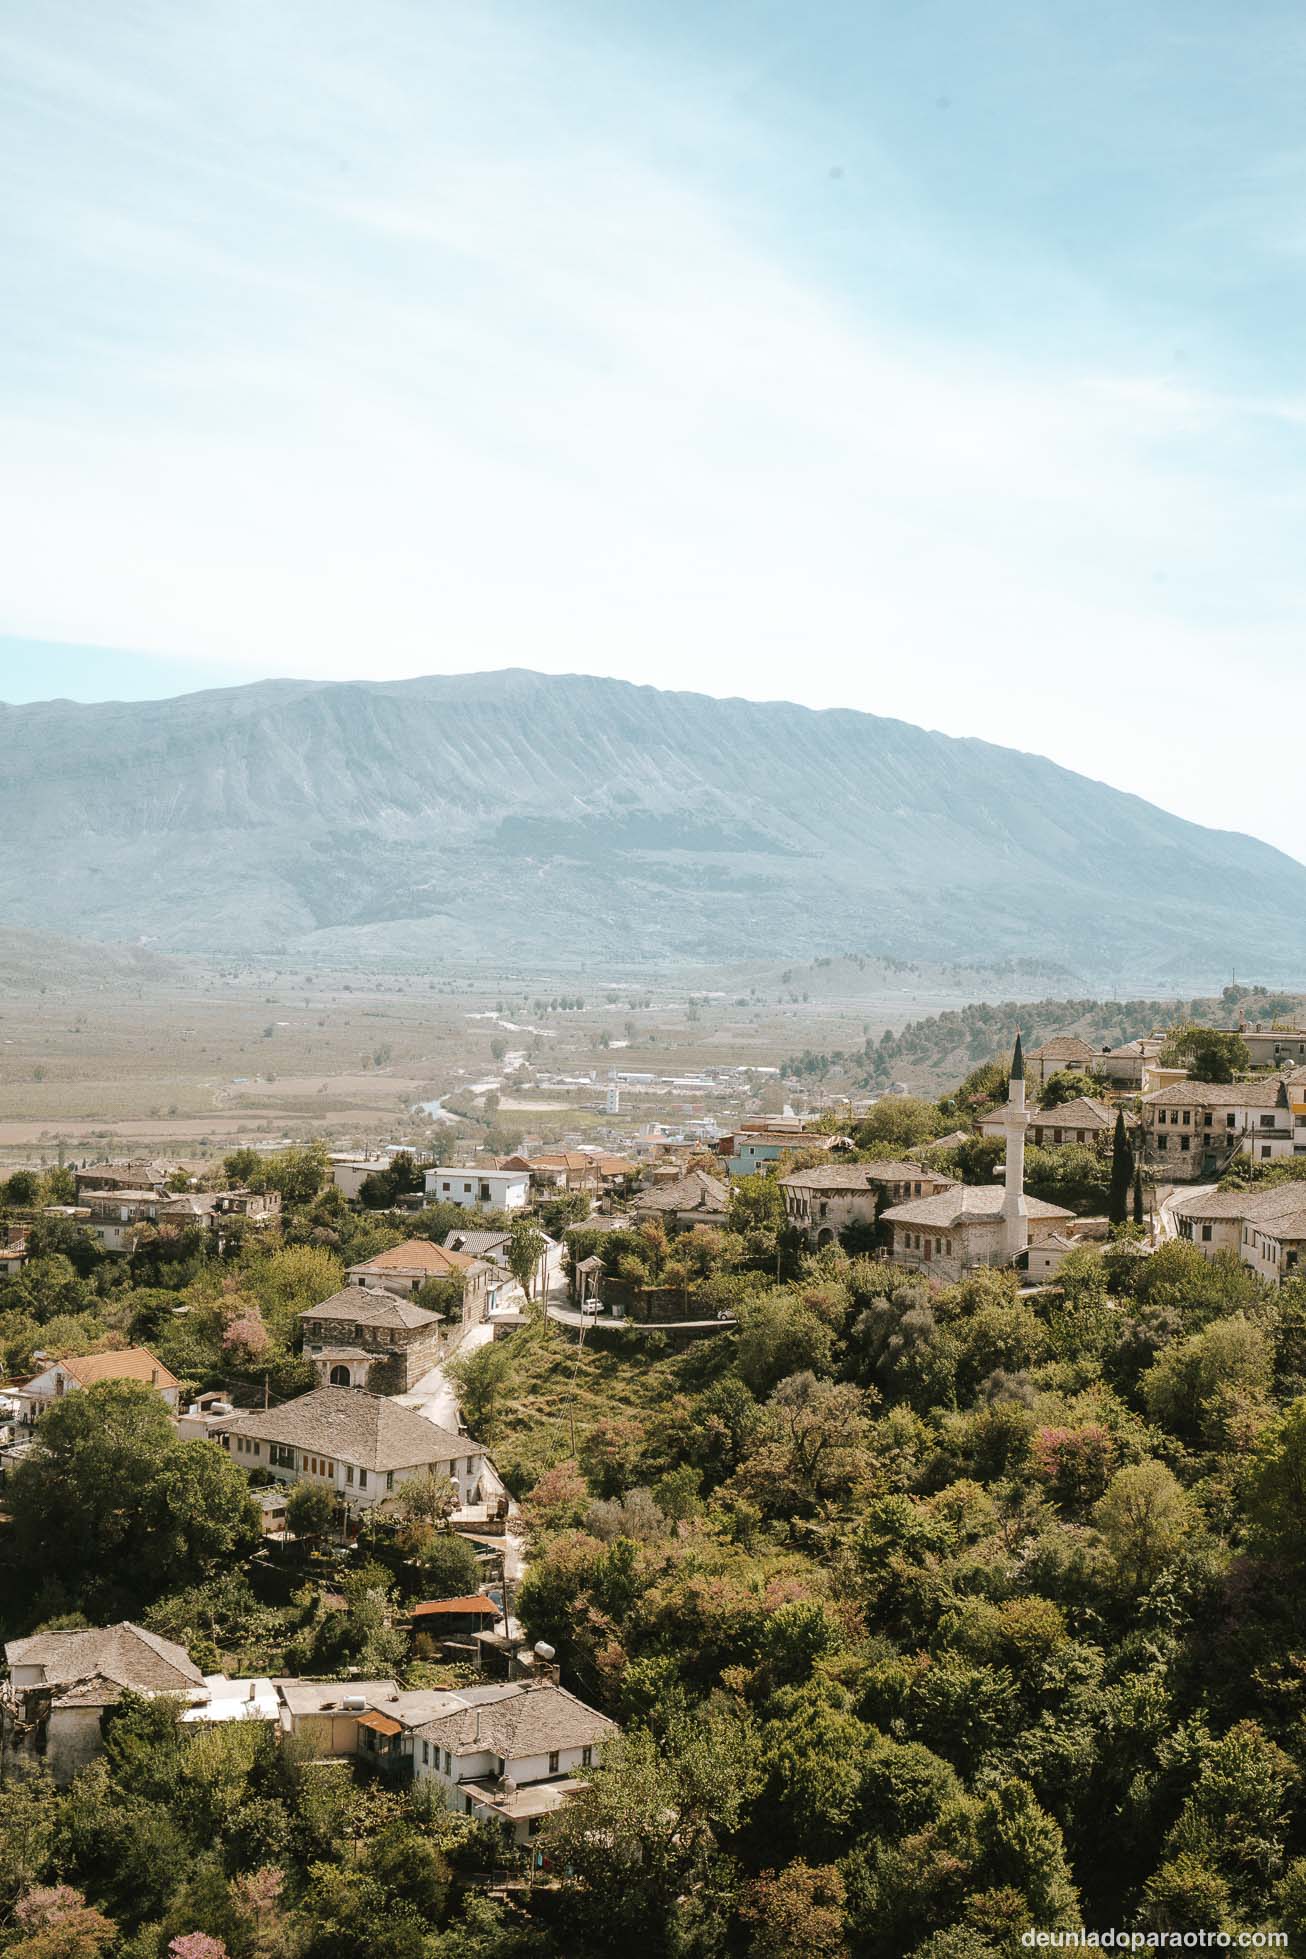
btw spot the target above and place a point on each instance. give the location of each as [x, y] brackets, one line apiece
[940, 1247]
[444, 1763]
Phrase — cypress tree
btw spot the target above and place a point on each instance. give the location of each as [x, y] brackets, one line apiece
[1122, 1165]
[1138, 1192]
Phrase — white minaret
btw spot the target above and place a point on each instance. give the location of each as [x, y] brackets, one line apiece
[1015, 1120]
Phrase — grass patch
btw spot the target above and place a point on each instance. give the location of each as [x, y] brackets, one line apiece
[555, 1391]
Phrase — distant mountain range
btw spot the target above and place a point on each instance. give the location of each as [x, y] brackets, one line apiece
[520, 816]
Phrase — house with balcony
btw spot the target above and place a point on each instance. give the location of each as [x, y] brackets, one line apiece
[509, 1753]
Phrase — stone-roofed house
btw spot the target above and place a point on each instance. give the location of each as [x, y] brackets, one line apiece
[359, 1445]
[1265, 1228]
[827, 1199]
[694, 1199]
[1083, 1120]
[977, 1224]
[962, 1227]
[1193, 1129]
[62, 1377]
[141, 1174]
[366, 1337]
[1061, 1052]
[405, 1269]
[60, 1684]
[508, 1753]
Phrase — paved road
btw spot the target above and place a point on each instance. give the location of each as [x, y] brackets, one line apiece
[433, 1396]
[1165, 1219]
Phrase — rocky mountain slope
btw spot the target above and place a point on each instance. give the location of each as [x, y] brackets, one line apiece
[519, 815]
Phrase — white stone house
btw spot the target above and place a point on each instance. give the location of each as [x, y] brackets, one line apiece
[359, 1446]
[406, 1268]
[507, 1753]
[1265, 1229]
[1083, 1120]
[1192, 1129]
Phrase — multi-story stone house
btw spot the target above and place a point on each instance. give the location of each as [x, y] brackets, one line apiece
[827, 1199]
[1193, 1129]
[366, 1337]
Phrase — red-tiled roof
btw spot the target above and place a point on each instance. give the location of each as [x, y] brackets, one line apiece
[474, 1603]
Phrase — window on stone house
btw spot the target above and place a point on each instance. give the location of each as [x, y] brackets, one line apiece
[362, 1479]
[553, 1761]
[426, 1754]
[1185, 1142]
[1206, 1234]
[448, 1763]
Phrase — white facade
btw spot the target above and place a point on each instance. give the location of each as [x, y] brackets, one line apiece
[478, 1190]
[349, 1173]
[355, 1485]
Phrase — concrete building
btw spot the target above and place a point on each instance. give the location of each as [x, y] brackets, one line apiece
[1272, 1044]
[476, 1189]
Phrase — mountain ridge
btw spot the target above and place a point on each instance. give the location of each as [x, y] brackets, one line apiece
[502, 812]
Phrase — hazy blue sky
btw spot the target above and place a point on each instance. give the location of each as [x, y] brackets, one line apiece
[940, 359]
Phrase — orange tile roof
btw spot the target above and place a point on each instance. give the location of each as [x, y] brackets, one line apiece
[128, 1364]
[416, 1255]
[474, 1603]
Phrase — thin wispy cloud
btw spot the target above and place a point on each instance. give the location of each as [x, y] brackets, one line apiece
[456, 336]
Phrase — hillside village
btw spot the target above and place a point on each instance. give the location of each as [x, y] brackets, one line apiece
[384, 1536]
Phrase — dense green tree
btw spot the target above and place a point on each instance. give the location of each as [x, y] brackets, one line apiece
[118, 1507]
[1122, 1170]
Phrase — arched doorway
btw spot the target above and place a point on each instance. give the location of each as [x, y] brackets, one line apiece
[824, 1237]
[341, 1377]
